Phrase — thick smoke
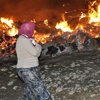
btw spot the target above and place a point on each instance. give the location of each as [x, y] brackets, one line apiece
[38, 9]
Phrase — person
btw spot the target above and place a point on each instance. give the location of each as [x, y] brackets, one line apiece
[28, 51]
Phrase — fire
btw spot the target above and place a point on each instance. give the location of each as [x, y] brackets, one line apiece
[63, 25]
[46, 22]
[42, 38]
[93, 14]
[82, 16]
[7, 21]
[88, 23]
[11, 29]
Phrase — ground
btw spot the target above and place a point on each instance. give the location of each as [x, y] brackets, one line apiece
[73, 76]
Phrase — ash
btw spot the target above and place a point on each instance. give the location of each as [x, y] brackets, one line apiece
[73, 76]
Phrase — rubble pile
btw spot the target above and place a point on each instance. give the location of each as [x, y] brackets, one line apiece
[80, 41]
[7, 47]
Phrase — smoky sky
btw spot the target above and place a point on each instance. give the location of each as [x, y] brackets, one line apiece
[38, 9]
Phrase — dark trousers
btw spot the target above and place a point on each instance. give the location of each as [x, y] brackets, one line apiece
[33, 85]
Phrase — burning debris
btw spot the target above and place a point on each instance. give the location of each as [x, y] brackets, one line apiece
[63, 36]
[78, 42]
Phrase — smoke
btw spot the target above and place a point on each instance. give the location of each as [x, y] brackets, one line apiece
[38, 9]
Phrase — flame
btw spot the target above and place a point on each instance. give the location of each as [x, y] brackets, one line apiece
[7, 21]
[46, 22]
[91, 27]
[79, 27]
[11, 29]
[93, 14]
[82, 16]
[63, 25]
[41, 38]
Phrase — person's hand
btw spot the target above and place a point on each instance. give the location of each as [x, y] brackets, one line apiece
[33, 41]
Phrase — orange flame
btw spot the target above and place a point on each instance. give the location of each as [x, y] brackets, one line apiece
[82, 16]
[11, 29]
[91, 27]
[63, 25]
[7, 21]
[93, 14]
[42, 38]
[94, 17]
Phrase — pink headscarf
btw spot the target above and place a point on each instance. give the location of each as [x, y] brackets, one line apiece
[27, 28]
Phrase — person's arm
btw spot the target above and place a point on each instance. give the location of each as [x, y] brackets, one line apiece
[30, 48]
[39, 48]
